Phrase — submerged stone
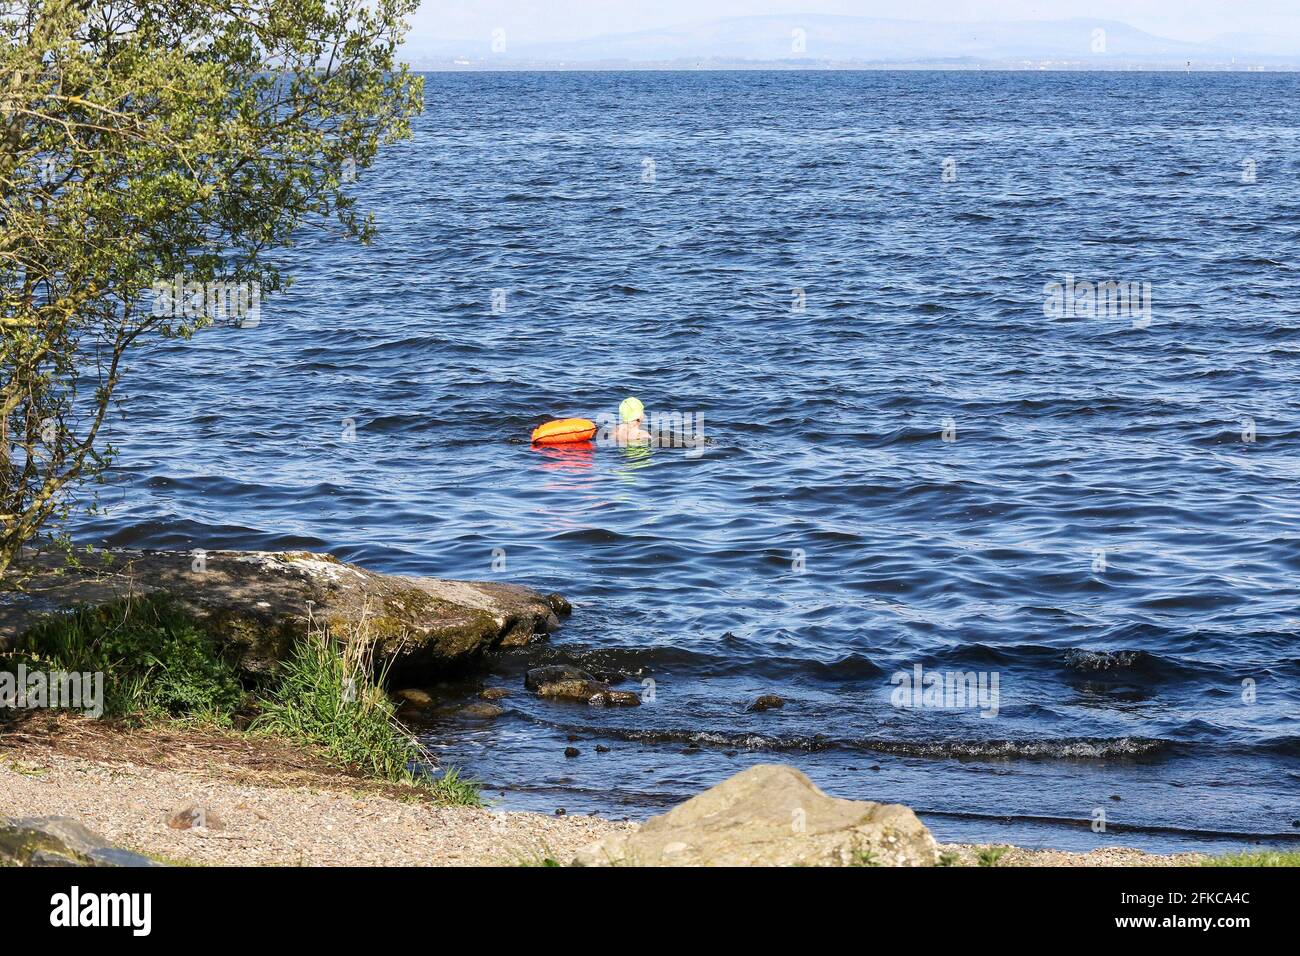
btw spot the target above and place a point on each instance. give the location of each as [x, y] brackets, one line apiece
[414, 697]
[564, 682]
[482, 711]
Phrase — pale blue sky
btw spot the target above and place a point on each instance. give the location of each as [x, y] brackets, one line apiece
[544, 20]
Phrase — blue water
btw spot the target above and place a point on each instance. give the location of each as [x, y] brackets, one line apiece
[1098, 534]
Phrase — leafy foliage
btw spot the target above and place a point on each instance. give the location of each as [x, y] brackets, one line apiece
[142, 140]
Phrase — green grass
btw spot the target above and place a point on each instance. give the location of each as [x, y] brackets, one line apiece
[453, 790]
[330, 695]
[156, 660]
[159, 664]
[1262, 858]
[990, 855]
[324, 696]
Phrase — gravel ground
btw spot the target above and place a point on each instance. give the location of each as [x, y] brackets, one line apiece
[968, 855]
[281, 825]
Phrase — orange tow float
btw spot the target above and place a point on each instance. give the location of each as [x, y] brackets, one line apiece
[566, 431]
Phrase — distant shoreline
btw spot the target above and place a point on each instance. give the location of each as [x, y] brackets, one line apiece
[804, 40]
[420, 65]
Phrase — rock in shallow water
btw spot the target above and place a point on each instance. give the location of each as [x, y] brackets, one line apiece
[535, 677]
[563, 682]
[767, 702]
[412, 697]
[482, 711]
[771, 815]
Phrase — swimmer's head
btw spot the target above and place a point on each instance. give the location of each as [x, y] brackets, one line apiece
[630, 409]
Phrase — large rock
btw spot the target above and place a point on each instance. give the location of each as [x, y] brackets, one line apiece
[771, 815]
[260, 602]
[59, 841]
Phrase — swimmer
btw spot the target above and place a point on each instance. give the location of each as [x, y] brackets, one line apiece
[629, 431]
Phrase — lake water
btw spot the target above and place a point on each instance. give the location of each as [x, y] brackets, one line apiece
[916, 456]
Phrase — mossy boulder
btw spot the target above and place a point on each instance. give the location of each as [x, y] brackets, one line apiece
[259, 603]
[59, 841]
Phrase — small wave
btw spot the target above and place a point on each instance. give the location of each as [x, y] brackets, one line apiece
[1075, 748]
[1078, 748]
[1053, 820]
[1125, 664]
[1255, 261]
[1285, 746]
[1079, 659]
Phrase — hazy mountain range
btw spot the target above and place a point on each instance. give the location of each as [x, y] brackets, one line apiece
[826, 40]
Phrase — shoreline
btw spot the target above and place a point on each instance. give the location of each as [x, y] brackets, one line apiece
[281, 800]
[270, 803]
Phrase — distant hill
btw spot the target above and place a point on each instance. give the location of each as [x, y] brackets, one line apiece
[816, 39]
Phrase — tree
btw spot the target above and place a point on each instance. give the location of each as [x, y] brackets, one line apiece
[148, 141]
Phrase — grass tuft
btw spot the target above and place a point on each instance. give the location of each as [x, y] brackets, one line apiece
[329, 695]
[990, 855]
[1262, 858]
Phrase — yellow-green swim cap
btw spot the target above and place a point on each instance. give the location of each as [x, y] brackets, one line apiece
[630, 409]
